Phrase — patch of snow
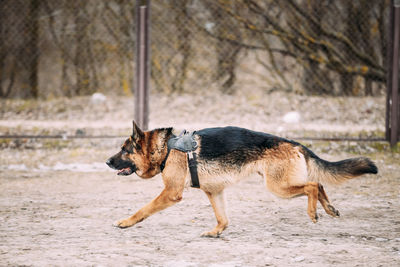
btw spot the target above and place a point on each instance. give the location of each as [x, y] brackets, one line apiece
[209, 26]
[98, 98]
[280, 129]
[291, 117]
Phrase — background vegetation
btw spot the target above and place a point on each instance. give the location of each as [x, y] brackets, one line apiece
[68, 48]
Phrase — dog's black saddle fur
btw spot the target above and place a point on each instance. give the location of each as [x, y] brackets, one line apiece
[185, 142]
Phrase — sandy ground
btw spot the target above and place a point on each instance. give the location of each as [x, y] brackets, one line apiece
[64, 217]
[58, 200]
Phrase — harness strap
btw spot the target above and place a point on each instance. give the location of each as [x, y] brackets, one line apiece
[185, 143]
[193, 169]
[162, 166]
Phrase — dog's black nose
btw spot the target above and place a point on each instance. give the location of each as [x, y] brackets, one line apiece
[109, 162]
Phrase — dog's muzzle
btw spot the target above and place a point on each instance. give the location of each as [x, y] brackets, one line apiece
[124, 168]
[109, 163]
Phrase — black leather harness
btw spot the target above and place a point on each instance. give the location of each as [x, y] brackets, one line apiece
[185, 142]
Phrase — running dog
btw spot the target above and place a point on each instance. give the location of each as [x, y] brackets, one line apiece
[225, 156]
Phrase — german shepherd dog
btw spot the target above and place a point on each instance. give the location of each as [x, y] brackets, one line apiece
[225, 156]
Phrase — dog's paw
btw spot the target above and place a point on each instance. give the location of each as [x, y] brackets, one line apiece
[123, 223]
[213, 234]
[333, 212]
[315, 218]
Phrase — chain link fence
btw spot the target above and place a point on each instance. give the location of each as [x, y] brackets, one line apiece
[69, 48]
[65, 47]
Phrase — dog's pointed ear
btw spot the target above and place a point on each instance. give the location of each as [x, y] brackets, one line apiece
[137, 134]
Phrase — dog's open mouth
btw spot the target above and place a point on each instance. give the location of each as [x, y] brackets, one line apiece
[125, 171]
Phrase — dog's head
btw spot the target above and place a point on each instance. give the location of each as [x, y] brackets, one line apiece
[142, 152]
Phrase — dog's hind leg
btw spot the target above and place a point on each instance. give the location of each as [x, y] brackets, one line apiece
[323, 199]
[310, 189]
[218, 203]
[167, 198]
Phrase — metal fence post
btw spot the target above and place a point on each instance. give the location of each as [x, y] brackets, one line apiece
[142, 63]
[392, 105]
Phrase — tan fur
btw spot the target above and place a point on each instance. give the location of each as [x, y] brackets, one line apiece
[174, 181]
[149, 158]
[319, 175]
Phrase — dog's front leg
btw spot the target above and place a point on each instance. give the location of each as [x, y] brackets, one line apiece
[168, 197]
[218, 203]
[174, 180]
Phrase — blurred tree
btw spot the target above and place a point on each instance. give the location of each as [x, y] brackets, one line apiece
[5, 88]
[118, 17]
[227, 52]
[322, 36]
[336, 47]
[334, 41]
[183, 43]
[32, 47]
[61, 40]
[19, 57]
[81, 60]
[315, 78]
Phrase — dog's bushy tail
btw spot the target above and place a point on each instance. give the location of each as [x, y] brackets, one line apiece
[320, 170]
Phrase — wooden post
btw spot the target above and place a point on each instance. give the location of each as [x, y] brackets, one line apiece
[142, 64]
[392, 104]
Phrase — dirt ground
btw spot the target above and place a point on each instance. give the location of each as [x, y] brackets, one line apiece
[58, 200]
[64, 217]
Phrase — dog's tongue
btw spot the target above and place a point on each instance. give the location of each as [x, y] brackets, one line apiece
[126, 171]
